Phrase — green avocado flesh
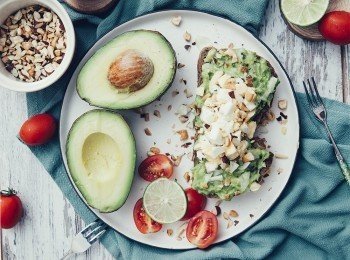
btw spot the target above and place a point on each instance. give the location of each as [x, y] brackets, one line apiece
[94, 87]
[248, 67]
[101, 156]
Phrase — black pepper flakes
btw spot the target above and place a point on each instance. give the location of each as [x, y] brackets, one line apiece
[180, 65]
[283, 115]
[187, 47]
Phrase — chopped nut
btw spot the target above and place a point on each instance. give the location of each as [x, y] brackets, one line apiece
[226, 216]
[187, 36]
[27, 47]
[187, 176]
[270, 115]
[176, 20]
[284, 130]
[149, 153]
[233, 214]
[282, 104]
[180, 234]
[169, 107]
[176, 160]
[155, 150]
[248, 157]
[168, 141]
[148, 132]
[279, 171]
[183, 81]
[174, 93]
[251, 215]
[183, 119]
[281, 156]
[145, 116]
[183, 134]
[229, 223]
[169, 232]
[156, 113]
[188, 93]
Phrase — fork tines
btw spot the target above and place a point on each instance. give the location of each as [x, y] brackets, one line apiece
[94, 230]
[312, 94]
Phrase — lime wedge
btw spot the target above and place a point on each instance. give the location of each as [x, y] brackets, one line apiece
[304, 12]
[165, 201]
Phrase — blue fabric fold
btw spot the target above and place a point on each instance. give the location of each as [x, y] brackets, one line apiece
[310, 219]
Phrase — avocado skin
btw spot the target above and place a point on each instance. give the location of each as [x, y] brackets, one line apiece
[171, 80]
[73, 178]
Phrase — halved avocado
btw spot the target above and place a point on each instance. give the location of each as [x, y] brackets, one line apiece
[130, 71]
[101, 157]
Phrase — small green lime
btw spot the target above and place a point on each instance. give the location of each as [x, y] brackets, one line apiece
[165, 201]
[304, 12]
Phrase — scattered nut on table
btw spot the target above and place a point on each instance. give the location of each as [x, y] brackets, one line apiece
[32, 43]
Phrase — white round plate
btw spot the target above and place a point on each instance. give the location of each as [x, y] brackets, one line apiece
[206, 30]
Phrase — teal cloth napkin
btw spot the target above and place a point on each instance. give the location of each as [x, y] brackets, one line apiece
[310, 219]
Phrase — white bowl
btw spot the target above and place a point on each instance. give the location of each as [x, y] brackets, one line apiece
[7, 80]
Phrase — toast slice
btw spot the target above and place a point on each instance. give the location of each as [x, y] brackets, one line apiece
[222, 176]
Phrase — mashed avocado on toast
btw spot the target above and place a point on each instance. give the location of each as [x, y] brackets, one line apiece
[236, 88]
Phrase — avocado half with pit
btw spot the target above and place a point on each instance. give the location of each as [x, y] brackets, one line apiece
[130, 71]
[101, 157]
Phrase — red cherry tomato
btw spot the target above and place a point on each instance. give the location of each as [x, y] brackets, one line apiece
[202, 229]
[195, 203]
[38, 129]
[11, 209]
[335, 27]
[142, 221]
[155, 167]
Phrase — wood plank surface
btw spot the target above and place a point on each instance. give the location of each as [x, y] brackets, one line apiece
[50, 221]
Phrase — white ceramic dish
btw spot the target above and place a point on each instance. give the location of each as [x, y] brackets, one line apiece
[205, 29]
[8, 7]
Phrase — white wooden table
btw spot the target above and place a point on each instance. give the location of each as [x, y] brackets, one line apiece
[50, 221]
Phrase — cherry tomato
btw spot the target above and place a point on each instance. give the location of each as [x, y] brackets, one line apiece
[11, 209]
[143, 222]
[195, 203]
[38, 129]
[335, 27]
[156, 166]
[202, 229]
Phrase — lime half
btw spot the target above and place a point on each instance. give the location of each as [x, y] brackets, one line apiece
[304, 12]
[165, 201]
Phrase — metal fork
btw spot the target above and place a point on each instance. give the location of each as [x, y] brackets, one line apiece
[318, 108]
[85, 238]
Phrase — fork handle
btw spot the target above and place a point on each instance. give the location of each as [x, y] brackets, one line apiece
[343, 165]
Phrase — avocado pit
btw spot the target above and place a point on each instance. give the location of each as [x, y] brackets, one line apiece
[130, 71]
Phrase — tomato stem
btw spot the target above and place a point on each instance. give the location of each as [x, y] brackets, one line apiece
[8, 192]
